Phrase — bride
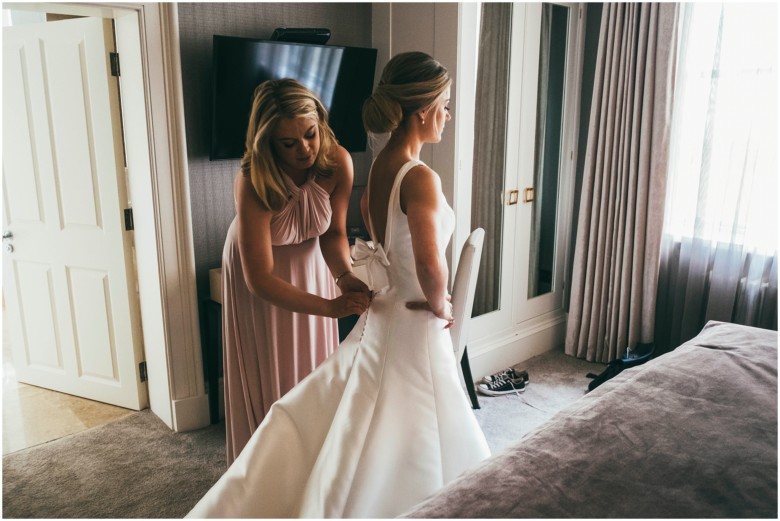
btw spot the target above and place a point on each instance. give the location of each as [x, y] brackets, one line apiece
[383, 422]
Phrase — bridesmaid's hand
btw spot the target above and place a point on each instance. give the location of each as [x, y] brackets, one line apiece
[350, 283]
[352, 303]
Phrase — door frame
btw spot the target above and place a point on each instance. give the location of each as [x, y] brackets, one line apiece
[74, 264]
[158, 180]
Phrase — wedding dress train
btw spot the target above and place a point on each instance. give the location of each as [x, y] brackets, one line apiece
[382, 424]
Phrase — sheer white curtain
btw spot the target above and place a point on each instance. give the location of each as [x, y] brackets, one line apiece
[719, 243]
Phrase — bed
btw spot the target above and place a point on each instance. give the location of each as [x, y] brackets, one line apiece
[692, 433]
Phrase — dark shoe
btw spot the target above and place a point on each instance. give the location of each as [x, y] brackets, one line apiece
[509, 372]
[505, 386]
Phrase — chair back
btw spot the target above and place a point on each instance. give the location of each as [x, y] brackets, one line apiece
[463, 287]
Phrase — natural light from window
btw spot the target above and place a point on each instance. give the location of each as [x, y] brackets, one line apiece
[723, 174]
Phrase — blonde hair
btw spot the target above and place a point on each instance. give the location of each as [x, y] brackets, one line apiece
[410, 82]
[275, 100]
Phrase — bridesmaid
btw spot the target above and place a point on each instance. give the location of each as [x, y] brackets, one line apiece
[286, 252]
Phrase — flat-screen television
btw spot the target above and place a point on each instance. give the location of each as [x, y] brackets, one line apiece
[342, 77]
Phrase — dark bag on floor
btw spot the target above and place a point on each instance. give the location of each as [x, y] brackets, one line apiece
[615, 368]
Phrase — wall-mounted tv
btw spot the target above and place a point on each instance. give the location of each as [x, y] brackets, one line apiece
[342, 77]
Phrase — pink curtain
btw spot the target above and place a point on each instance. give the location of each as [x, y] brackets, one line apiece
[616, 256]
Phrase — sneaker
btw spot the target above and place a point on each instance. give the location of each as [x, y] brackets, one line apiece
[509, 372]
[505, 386]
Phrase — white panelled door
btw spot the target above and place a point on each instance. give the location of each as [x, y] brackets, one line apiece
[68, 271]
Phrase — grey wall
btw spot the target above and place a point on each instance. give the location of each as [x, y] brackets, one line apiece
[211, 181]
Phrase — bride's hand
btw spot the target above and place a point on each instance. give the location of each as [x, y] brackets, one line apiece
[445, 313]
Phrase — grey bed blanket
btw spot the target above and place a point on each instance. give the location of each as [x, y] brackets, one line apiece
[692, 433]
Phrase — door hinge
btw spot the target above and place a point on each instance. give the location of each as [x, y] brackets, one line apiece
[129, 224]
[142, 371]
[114, 59]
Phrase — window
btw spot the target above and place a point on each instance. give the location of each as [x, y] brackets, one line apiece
[723, 168]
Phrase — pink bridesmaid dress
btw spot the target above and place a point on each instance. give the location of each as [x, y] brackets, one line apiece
[267, 349]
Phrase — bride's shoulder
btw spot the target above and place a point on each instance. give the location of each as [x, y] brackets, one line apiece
[421, 179]
[422, 173]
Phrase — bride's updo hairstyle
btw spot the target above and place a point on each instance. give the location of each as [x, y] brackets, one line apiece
[410, 82]
[274, 100]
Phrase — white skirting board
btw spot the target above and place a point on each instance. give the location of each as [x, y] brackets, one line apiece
[191, 413]
[515, 348]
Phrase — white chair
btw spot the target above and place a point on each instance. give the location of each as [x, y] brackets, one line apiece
[463, 287]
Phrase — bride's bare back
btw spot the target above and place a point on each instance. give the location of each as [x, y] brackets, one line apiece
[375, 200]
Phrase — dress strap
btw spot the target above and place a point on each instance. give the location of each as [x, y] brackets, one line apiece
[395, 199]
[368, 201]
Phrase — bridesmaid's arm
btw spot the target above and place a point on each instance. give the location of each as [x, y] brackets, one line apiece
[257, 261]
[333, 243]
[419, 196]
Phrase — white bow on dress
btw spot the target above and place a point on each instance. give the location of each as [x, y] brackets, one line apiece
[369, 264]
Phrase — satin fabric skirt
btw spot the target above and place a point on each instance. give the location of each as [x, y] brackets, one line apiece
[382, 424]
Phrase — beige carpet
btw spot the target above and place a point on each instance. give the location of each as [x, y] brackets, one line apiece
[137, 468]
[554, 381]
[132, 468]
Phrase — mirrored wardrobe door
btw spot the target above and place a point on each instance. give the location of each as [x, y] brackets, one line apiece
[547, 173]
[527, 104]
[490, 149]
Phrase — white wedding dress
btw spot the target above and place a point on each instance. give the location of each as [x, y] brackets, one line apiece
[382, 424]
